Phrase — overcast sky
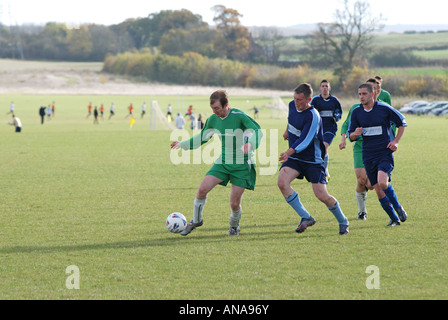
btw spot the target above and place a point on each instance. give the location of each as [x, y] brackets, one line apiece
[280, 13]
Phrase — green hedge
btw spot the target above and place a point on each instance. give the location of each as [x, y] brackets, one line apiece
[195, 69]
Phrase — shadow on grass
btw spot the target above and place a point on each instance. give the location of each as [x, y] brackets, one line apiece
[207, 235]
[204, 235]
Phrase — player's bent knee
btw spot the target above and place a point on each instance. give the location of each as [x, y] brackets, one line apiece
[383, 185]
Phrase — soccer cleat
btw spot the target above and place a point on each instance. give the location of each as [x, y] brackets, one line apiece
[305, 223]
[343, 229]
[190, 227]
[362, 216]
[234, 231]
[393, 223]
[401, 214]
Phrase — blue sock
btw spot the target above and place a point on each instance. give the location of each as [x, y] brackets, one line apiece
[388, 208]
[338, 214]
[391, 195]
[295, 203]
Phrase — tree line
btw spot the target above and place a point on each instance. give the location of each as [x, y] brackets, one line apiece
[168, 32]
[177, 46]
[337, 45]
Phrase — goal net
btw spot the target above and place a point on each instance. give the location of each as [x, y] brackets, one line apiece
[158, 120]
[278, 107]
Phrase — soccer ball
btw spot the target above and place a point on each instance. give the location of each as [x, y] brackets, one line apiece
[176, 222]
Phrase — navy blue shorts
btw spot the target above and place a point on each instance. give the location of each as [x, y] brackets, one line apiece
[385, 164]
[329, 136]
[314, 173]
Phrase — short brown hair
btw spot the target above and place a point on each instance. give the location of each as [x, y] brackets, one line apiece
[367, 86]
[220, 95]
[374, 80]
[379, 78]
[304, 88]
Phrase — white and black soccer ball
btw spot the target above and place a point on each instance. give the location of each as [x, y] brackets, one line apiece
[176, 222]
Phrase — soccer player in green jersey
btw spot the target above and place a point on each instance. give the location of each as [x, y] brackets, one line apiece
[240, 135]
[384, 95]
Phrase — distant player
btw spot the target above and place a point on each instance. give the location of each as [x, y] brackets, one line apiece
[95, 116]
[372, 120]
[16, 123]
[305, 159]
[89, 110]
[330, 111]
[11, 108]
[235, 164]
[180, 121]
[102, 111]
[111, 110]
[143, 110]
[131, 110]
[384, 95]
[169, 113]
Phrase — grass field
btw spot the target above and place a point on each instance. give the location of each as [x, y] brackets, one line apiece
[423, 45]
[413, 72]
[97, 196]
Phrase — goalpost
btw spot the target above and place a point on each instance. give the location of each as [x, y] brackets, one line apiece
[157, 119]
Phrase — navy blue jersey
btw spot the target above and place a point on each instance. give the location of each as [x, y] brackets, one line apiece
[377, 130]
[305, 135]
[330, 111]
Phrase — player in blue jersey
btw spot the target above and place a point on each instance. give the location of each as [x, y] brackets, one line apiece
[363, 184]
[372, 120]
[330, 111]
[305, 158]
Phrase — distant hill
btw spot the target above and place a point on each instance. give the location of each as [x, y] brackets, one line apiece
[304, 29]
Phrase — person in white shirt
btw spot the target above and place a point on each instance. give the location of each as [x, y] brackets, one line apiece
[49, 112]
[111, 110]
[16, 123]
[180, 121]
[194, 124]
[143, 109]
[169, 111]
[11, 108]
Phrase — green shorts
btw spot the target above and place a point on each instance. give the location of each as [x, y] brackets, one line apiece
[357, 155]
[241, 175]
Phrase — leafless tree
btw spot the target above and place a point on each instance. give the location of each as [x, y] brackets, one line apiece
[346, 40]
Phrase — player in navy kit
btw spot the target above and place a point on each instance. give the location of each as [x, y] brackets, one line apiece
[305, 158]
[330, 111]
[372, 120]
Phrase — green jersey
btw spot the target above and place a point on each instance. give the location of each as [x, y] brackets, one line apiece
[385, 97]
[234, 131]
[344, 127]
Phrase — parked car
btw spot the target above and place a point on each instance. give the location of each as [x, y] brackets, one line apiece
[439, 108]
[426, 109]
[412, 106]
[443, 113]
